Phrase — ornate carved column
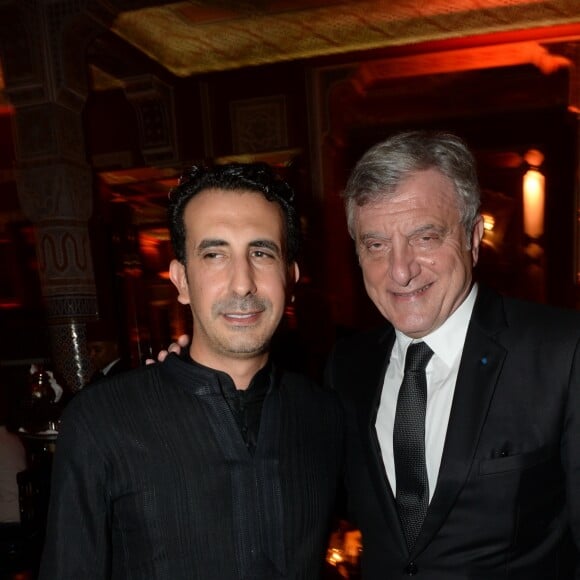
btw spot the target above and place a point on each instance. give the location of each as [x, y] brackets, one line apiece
[41, 54]
[57, 198]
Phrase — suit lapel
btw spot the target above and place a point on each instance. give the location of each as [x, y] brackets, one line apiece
[480, 367]
[376, 360]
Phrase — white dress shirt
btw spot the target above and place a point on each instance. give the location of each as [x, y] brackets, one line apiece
[447, 345]
[108, 367]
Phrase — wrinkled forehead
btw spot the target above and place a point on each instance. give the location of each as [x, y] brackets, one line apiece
[419, 205]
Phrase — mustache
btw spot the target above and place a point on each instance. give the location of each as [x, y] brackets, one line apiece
[241, 304]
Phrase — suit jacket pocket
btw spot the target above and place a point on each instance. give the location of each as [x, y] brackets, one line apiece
[519, 461]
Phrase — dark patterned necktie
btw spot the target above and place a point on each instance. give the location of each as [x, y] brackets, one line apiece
[409, 443]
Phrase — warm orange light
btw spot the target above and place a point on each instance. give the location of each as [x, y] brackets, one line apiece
[488, 222]
[334, 556]
[534, 196]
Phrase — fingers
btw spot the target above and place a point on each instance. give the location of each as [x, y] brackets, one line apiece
[150, 361]
[161, 356]
[179, 344]
[175, 347]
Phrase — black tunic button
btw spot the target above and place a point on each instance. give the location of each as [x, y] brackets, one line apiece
[411, 569]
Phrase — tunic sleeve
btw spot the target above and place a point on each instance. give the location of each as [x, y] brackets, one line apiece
[77, 537]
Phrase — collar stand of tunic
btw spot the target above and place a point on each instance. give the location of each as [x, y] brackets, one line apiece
[245, 405]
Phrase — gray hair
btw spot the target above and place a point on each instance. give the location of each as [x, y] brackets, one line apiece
[383, 167]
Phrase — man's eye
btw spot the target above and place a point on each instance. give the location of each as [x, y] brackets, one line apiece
[261, 254]
[431, 240]
[375, 246]
[210, 255]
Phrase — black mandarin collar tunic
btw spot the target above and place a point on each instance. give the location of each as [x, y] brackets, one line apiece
[245, 405]
[153, 479]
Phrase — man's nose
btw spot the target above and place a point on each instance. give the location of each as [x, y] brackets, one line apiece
[243, 277]
[403, 265]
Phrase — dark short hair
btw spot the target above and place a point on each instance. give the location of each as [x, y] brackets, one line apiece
[256, 177]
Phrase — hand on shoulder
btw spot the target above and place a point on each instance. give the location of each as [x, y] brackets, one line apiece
[181, 342]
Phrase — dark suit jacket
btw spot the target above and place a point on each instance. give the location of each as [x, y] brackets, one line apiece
[121, 366]
[507, 499]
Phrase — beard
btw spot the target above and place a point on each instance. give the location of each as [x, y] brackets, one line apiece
[241, 341]
[237, 304]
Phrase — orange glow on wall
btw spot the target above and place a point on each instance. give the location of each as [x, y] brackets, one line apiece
[534, 195]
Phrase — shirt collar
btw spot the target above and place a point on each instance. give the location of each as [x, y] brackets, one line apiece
[257, 388]
[108, 367]
[447, 340]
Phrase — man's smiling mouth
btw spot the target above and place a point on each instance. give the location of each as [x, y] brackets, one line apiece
[417, 292]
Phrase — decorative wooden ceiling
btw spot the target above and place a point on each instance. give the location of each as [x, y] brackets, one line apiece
[199, 36]
[420, 38]
[441, 41]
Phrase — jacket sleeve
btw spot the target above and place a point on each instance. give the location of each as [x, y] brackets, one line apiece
[571, 452]
[77, 541]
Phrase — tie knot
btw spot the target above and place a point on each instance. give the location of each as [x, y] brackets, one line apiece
[418, 355]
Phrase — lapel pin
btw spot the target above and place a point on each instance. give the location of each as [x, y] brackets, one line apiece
[484, 360]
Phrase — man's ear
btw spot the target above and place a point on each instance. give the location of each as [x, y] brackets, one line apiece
[179, 278]
[476, 237]
[294, 273]
[293, 277]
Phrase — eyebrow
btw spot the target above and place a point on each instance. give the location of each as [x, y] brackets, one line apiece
[211, 243]
[428, 228]
[268, 245]
[218, 243]
[417, 230]
[370, 235]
